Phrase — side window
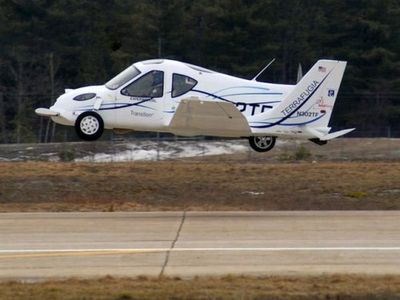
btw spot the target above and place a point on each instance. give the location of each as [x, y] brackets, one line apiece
[149, 85]
[182, 84]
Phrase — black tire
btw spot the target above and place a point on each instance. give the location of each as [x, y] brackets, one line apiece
[262, 143]
[89, 126]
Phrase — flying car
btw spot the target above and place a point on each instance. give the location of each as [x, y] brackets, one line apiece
[162, 95]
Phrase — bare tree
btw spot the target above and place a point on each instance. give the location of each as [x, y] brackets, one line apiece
[18, 76]
[52, 71]
[3, 119]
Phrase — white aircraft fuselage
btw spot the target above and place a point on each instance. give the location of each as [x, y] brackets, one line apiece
[169, 96]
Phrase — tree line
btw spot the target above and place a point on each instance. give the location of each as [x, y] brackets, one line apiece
[49, 45]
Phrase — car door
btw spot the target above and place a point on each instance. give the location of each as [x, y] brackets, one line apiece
[139, 104]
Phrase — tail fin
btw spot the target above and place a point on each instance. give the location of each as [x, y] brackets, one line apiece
[312, 99]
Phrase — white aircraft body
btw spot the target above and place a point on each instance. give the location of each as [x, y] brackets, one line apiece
[169, 96]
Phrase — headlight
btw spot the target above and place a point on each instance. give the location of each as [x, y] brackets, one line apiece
[84, 97]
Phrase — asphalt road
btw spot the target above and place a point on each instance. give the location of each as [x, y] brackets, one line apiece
[42, 245]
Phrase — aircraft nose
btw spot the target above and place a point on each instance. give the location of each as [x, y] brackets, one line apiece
[62, 99]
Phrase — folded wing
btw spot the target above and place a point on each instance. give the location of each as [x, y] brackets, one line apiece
[197, 117]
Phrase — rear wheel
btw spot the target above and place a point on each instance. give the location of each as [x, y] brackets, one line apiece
[262, 143]
[89, 126]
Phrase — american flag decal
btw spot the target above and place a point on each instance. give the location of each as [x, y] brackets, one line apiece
[322, 69]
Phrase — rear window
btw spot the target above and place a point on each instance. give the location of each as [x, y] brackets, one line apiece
[182, 84]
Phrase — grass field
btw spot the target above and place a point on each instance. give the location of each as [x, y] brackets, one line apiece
[199, 185]
[349, 287]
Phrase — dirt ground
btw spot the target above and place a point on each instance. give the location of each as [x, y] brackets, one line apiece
[199, 185]
[348, 287]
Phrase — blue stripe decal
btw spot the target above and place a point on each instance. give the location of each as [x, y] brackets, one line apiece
[303, 123]
[241, 94]
[121, 105]
[212, 95]
[291, 124]
[223, 99]
[267, 102]
[128, 105]
[243, 87]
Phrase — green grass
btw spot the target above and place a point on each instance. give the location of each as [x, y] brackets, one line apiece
[357, 194]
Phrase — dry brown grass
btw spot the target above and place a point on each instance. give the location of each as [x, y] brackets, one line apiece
[178, 185]
[229, 287]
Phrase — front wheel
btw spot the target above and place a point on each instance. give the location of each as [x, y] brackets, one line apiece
[262, 143]
[89, 126]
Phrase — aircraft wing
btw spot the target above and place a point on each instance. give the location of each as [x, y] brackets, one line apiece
[197, 117]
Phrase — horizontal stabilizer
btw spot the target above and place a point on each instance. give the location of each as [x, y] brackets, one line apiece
[45, 112]
[196, 117]
[336, 134]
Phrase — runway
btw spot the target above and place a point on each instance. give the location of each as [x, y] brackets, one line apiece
[43, 245]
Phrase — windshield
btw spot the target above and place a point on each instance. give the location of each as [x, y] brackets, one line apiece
[122, 78]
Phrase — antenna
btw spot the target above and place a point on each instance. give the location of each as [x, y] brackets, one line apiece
[262, 71]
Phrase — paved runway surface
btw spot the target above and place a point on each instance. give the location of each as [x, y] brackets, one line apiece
[41, 245]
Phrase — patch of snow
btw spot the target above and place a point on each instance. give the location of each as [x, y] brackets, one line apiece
[166, 150]
[253, 193]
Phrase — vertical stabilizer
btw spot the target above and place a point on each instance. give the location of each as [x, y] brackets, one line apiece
[310, 102]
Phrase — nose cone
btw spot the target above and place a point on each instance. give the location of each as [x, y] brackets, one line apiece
[61, 102]
[81, 98]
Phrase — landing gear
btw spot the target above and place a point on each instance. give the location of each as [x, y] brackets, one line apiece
[262, 143]
[89, 126]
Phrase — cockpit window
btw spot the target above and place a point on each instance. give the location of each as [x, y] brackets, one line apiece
[149, 85]
[122, 78]
[182, 84]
